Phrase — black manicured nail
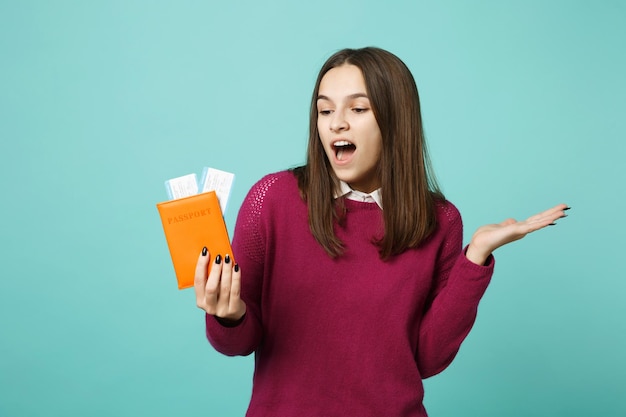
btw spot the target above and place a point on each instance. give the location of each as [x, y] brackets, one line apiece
[552, 224]
[566, 208]
[236, 268]
[218, 259]
[204, 251]
[227, 259]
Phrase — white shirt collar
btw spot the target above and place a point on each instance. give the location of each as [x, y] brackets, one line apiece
[350, 194]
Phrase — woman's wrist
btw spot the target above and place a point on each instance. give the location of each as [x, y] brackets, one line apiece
[476, 254]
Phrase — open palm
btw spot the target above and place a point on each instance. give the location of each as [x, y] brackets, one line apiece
[490, 237]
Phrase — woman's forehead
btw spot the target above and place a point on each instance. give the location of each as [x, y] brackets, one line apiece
[345, 81]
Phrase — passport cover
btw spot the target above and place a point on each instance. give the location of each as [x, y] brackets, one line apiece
[189, 224]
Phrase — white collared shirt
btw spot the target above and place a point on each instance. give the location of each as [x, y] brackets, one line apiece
[350, 194]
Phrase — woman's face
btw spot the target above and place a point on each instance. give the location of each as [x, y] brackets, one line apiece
[348, 129]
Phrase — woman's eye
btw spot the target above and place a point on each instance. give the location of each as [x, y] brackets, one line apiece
[324, 112]
[359, 110]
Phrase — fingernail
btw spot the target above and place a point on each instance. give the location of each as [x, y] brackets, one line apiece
[236, 268]
[227, 259]
[204, 251]
[566, 208]
[218, 259]
[552, 224]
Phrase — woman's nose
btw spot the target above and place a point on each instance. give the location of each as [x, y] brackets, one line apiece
[338, 122]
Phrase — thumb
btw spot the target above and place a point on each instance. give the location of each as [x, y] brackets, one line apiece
[508, 222]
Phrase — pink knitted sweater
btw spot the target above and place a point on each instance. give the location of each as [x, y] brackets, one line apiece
[351, 336]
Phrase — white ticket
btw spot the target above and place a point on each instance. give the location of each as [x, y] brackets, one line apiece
[219, 181]
[180, 187]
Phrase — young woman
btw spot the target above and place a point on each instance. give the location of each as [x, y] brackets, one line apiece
[351, 284]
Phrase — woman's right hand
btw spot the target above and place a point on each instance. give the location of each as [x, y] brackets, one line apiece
[218, 292]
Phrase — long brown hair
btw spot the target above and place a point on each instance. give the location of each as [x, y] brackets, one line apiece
[408, 187]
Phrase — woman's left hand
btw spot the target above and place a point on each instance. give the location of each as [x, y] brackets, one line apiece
[492, 236]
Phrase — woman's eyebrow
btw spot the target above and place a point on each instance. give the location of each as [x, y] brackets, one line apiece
[351, 96]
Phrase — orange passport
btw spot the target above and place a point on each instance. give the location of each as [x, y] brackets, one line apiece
[190, 223]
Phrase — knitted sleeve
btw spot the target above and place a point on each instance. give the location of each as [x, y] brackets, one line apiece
[459, 285]
[249, 252]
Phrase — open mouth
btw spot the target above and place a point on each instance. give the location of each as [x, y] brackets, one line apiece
[343, 149]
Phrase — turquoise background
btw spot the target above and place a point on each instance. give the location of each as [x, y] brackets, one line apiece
[101, 101]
